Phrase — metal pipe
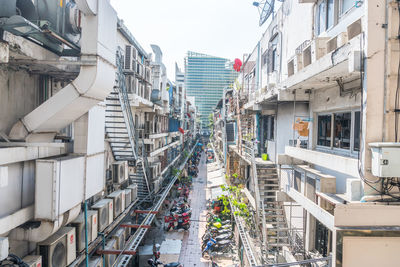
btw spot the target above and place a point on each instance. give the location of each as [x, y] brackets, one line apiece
[86, 234]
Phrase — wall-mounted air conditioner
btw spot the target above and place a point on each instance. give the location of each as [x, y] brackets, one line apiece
[157, 185]
[128, 230]
[79, 224]
[118, 200]
[33, 260]
[105, 209]
[120, 172]
[134, 191]
[110, 258]
[119, 238]
[128, 197]
[59, 185]
[59, 250]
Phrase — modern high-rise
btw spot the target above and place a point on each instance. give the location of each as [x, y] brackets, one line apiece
[205, 79]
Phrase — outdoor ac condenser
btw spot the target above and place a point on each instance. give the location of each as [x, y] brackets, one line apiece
[33, 260]
[120, 172]
[118, 200]
[105, 211]
[128, 197]
[59, 250]
[119, 238]
[110, 258]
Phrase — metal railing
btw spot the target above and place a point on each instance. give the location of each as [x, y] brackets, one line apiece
[125, 105]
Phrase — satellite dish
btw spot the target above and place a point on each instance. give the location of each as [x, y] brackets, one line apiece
[265, 9]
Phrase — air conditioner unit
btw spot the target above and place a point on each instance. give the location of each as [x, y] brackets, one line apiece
[105, 212]
[118, 200]
[157, 185]
[33, 260]
[119, 238]
[134, 191]
[59, 250]
[128, 197]
[79, 224]
[128, 230]
[120, 172]
[110, 258]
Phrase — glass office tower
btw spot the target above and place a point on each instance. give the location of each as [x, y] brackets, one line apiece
[205, 78]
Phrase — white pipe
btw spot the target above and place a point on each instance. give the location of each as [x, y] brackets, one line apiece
[92, 85]
[45, 229]
[37, 234]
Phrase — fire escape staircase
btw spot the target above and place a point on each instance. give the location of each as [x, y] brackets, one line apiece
[120, 131]
[270, 213]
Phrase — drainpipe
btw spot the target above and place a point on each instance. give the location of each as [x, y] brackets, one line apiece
[45, 229]
[94, 82]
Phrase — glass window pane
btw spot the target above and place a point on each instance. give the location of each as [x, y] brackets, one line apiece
[321, 17]
[357, 119]
[331, 14]
[324, 130]
[346, 5]
[342, 130]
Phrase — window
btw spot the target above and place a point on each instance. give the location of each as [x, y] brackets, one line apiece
[325, 15]
[269, 128]
[324, 130]
[357, 126]
[342, 130]
[339, 130]
[346, 5]
[274, 59]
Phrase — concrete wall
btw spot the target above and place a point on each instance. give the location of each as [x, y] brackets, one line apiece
[18, 96]
[19, 190]
[284, 124]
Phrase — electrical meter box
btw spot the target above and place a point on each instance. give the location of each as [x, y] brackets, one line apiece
[385, 159]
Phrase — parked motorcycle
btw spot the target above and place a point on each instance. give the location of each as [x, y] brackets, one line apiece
[177, 221]
[155, 263]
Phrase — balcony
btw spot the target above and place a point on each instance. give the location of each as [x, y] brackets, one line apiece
[334, 162]
[321, 66]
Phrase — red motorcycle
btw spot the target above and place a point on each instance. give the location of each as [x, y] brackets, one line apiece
[177, 221]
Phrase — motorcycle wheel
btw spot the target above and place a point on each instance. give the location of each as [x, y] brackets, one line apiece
[186, 226]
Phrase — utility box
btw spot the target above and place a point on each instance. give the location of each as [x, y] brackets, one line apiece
[59, 185]
[385, 159]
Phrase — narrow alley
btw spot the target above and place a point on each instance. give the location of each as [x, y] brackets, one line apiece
[199, 133]
[191, 245]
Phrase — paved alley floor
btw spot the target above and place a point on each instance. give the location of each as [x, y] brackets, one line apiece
[205, 186]
[191, 244]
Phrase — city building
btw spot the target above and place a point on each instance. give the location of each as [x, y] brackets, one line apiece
[205, 79]
[315, 115]
[85, 133]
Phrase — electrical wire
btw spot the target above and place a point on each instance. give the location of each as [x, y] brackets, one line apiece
[389, 183]
[396, 105]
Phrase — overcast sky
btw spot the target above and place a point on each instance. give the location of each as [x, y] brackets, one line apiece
[224, 28]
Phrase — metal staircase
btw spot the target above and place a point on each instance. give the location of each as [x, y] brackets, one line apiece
[271, 216]
[120, 130]
[275, 220]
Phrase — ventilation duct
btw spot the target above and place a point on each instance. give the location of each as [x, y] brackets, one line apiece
[94, 83]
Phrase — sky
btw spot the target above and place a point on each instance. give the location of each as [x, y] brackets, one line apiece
[223, 28]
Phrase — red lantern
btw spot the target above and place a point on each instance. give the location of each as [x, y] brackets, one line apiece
[181, 130]
[238, 64]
